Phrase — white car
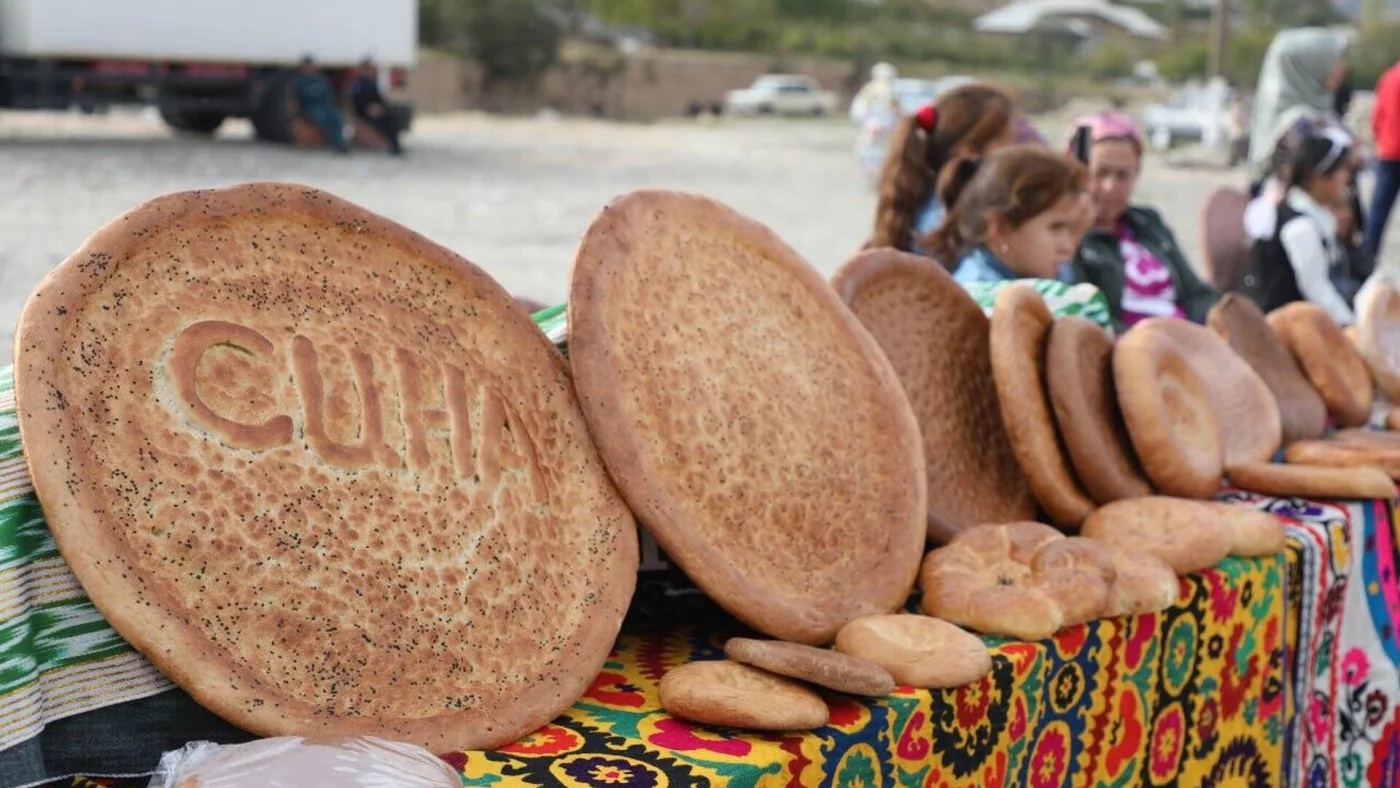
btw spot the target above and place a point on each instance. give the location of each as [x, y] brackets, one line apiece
[781, 94]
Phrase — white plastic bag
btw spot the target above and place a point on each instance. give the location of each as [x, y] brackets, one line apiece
[294, 762]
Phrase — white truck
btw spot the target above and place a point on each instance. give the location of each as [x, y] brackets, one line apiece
[198, 61]
[781, 94]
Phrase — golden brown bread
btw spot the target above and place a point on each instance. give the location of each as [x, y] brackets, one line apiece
[1245, 409]
[1021, 580]
[1378, 335]
[1186, 535]
[324, 473]
[1079, 376]
[1242, 324]
[1252, 533]
[939, 342]
[918, 651]
[1168, 414]
[1145, 584]
[820, 666]
[1346, 453]
[722, 692]
[1331, 362]
[1392, 419]
[1313, 481]
[1020, 327]
[754, 426]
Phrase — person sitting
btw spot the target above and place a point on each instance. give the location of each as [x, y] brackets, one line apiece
[1129, 253]
[1297, 257]
[316, 102]
[972, 120]
[370, 106]
[1013, 215]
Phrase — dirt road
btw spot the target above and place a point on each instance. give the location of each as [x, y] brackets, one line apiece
[512, 195]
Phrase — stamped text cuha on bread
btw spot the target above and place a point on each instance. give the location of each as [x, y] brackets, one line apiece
[1331, 361]
[918, 651]
[1168, 414]
[325, 474]
[939, 342]
[1079, 376]
[1245, 409]
[753, 424]
[1240, 322]
[1020, 329]
[721, 692]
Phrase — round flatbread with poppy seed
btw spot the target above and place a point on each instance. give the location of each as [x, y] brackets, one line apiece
[324, 473]
[754, 426]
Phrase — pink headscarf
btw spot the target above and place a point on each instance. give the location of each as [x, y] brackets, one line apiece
[1111, 126]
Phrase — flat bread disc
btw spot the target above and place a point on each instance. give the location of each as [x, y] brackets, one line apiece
[1169, 415]
[1224, 242]
[324, 473]
[1332, 363]
[1378, 335]
[918, 651]
[754, 426]
[1079, 375]
[732, 694]
[1245, 408]
[939, 342]
[1020, 330]
[1242, 324]
[1188, 536]
[820, 666]
[1345, 454]
[1312, 481]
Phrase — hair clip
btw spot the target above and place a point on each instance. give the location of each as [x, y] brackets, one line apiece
[927, 118]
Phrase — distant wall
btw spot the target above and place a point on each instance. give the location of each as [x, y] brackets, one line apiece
[644, 88]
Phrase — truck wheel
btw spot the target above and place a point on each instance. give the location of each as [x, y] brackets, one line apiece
[272, 118]
[192, 121]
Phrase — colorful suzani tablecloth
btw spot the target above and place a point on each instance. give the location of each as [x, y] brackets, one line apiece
[1343, 646]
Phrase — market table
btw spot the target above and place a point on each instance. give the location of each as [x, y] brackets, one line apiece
[1269, 668]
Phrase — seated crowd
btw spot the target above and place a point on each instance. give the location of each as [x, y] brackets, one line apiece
[957, 187]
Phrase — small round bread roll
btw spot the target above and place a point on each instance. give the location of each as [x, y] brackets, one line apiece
[1312, 481]
[1144, 584]
[918, 651]
[721, 692]
[1186, 535]
[820, 666]
[1016, 580]
[1169, 415]
[1253, 533]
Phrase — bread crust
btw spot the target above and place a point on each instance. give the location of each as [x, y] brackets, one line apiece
[752, 423]
[296, 455]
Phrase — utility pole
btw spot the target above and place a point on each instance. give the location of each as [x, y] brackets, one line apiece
[1219, 37]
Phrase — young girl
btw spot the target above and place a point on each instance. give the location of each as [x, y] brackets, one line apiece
[1297, 259]
[971, 120]
[1016, 214]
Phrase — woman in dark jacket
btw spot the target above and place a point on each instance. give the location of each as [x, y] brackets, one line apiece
[1129, 253]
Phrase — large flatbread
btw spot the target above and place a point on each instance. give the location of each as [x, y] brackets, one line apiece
[1331, 362]
[1241, 323]
[1020, 334]
[940, 344]
[324, 473]
[1378, 335]
[754, 426]
[1245, 409]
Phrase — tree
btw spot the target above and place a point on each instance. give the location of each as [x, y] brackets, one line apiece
[512, 40]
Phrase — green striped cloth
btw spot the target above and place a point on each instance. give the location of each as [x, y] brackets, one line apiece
[58, 656]
[1084, 300]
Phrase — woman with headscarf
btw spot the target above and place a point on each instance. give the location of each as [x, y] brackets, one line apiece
[1129, 253]
[1299, 78]
[876, 109]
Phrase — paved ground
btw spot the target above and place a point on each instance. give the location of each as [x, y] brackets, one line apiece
[510, 195]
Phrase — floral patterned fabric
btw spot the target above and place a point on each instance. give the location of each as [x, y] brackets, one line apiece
[1193, 697]
[1343, 647]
